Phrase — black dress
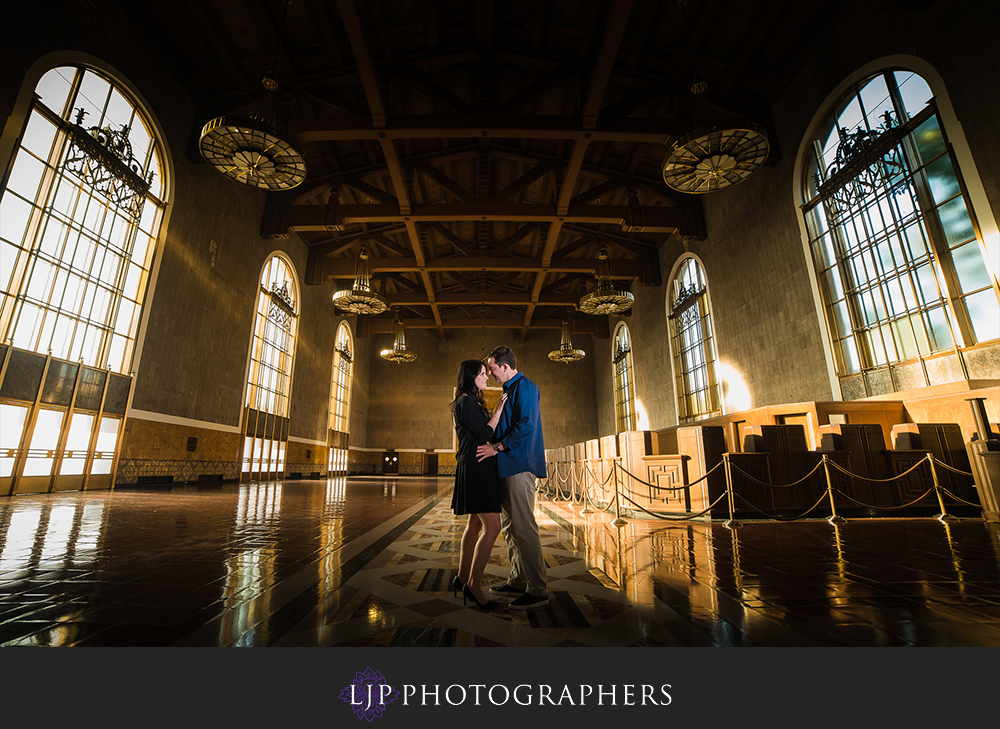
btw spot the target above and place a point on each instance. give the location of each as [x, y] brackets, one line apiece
[477, 485]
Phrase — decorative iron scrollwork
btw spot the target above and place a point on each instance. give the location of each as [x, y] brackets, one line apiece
[685, 295]
[103, 159]
[866, 161]
[621, 351]
[345, 350]
[282, 311]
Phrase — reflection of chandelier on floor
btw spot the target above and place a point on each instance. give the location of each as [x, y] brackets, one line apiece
[398, 353]
[360, 298]
[606, 299]
[566, 353]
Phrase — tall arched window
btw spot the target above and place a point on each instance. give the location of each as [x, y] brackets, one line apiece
[80, 211]
[624, 383]
[895, 241]
[272, 353]
[79, 218]
[693, 344]
[340, 402]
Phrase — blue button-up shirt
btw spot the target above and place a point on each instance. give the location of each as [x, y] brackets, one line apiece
[520, 430]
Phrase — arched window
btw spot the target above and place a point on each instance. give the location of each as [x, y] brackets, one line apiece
[894, 240]
[272, 353]
[340, 402]
[79, 218]
[693, 344]
[80, 209]
[624, 384]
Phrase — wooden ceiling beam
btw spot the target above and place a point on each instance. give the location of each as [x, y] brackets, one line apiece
[621, 268]
[334, 216]
[588, 325]
[476, 126]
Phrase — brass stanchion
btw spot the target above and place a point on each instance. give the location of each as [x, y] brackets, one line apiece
[944, 515]
[618, 521]
[586, 498]
[833, 518]
[731, 523]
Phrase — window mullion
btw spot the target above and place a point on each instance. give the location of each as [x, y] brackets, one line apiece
[940, 254]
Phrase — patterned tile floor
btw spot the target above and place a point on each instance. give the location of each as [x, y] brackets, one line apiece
[369, 562]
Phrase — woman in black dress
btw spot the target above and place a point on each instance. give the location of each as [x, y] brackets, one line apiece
[477, 485]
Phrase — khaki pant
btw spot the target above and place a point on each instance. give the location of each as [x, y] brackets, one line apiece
[520, 532]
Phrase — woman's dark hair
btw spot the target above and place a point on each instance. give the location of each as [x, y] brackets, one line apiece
[468, 371]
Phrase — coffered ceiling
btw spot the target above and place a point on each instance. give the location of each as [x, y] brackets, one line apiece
[484, 152]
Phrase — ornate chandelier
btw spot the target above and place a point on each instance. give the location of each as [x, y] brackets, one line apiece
[606, 299]
[360, 299]
[252, 150]
[566, 353]
[398, 353]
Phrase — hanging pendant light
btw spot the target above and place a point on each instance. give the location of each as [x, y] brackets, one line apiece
[360, 299]
[717, 150]
[566, 353]
[398, 353]
[252, 149]
[606, 299]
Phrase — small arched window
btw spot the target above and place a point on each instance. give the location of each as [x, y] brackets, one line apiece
[693, 343]
[624, 382]
[340, 401]
[272, 354]
[894, 239]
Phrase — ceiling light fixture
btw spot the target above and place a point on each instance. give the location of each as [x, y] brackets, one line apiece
[718, 150]
[566, 353]
[360, 298]
[606, 299]
[398, 353]
[252, 149]
[714, 157]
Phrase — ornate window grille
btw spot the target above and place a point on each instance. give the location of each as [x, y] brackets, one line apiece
[624, 385]
[272, 353]
[81, 211]
[893, 234]
[273, 340]
[693, 345]
[340, 403]
[340, 399]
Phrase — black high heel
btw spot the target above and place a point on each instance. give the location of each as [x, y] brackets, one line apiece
[488, 605]
[456, 585]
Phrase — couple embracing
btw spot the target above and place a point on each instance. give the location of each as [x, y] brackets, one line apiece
[498, 458]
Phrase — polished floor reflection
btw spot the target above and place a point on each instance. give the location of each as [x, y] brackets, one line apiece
[369, 562]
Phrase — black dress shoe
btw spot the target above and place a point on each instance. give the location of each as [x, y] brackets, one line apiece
[506, 590]
[456, 586]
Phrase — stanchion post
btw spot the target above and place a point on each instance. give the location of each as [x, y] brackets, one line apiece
[944, 515]
[731, 523]
[586, 500]
[833, 518]
[618, 521]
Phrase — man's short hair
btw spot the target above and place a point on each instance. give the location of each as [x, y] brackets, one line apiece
[503, 356]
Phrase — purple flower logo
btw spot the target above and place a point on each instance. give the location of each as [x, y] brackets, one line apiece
[369, 694]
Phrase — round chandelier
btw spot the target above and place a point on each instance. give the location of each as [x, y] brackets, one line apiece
[606, 299]
[360, 298]
[254, 152]
[398, 353]
[566, 353]
[714, 156]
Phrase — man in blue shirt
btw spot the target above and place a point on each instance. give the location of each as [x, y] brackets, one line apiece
[520, 452]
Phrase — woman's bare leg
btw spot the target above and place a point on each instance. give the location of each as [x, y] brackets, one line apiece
[490, 529]
[468, 548]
